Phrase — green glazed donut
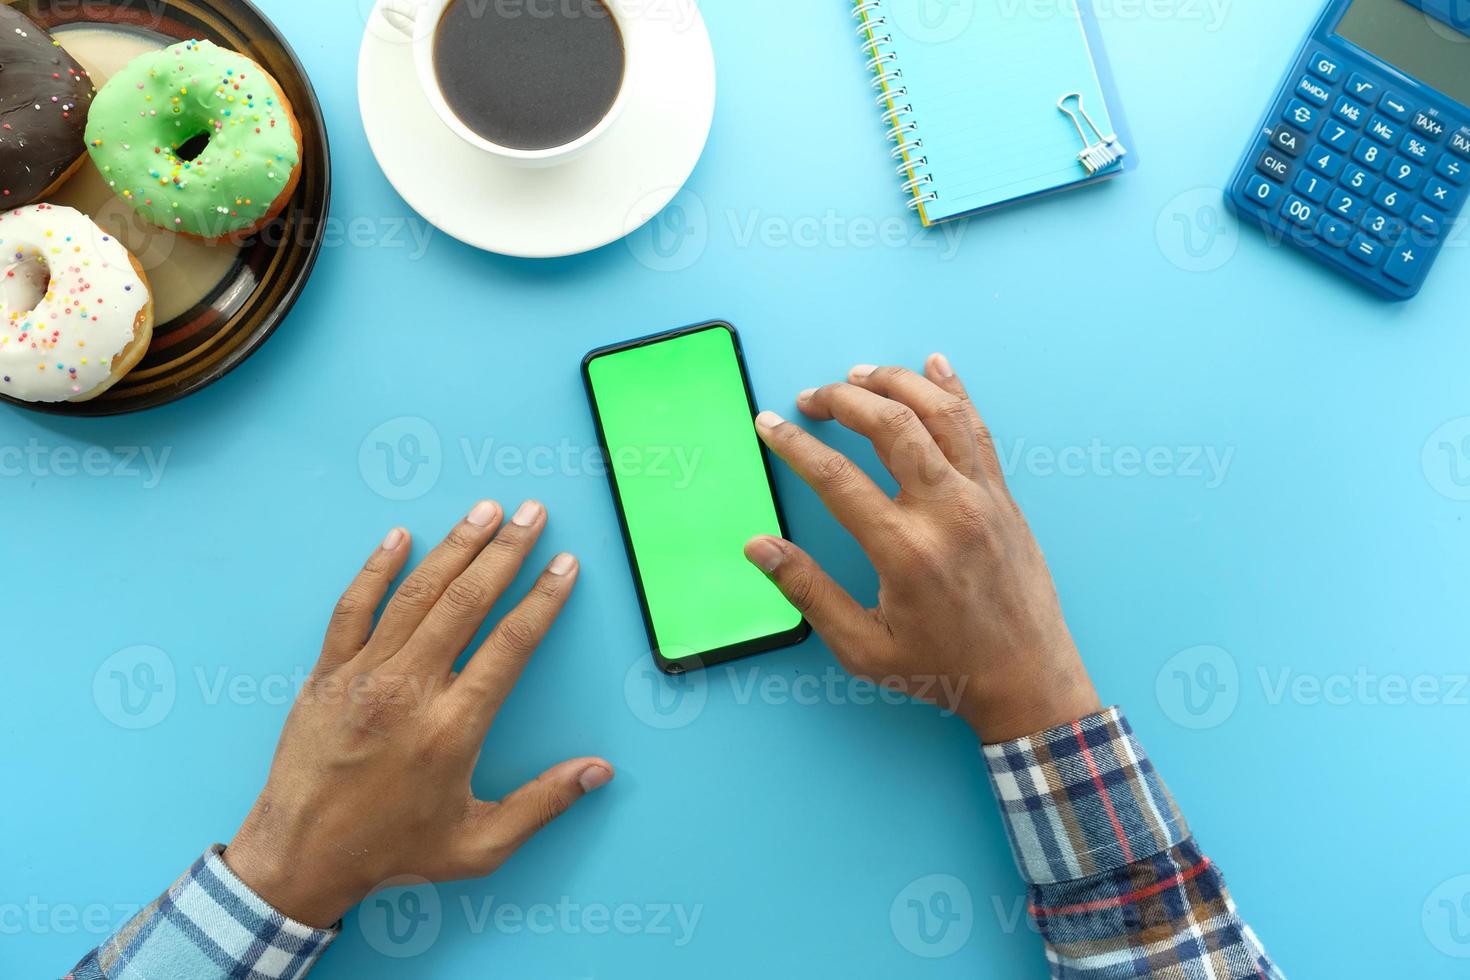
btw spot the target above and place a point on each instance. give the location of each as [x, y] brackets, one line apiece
[197, 140]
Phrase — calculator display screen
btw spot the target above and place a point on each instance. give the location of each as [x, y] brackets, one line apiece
[1412, 41]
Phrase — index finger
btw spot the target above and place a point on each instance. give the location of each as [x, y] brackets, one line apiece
[853, 498]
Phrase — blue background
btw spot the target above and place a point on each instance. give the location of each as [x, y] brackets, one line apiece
[1132, 314]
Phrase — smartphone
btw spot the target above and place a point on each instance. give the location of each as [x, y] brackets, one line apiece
[692, 484]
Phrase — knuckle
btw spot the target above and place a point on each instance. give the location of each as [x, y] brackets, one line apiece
[952, 410]
[463, 538]
[418, 590]
[895, 418]
[835, 471]
[467, 595]
[801, 591]
[353, 603]
[517, 635]
[379, 704]
[550, 805]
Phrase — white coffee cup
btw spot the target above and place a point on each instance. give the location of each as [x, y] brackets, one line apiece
[418, 21]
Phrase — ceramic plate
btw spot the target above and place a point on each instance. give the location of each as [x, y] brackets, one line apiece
[607, 192]
[216, 304]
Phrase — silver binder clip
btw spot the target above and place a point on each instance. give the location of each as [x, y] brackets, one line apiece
[1097, 155]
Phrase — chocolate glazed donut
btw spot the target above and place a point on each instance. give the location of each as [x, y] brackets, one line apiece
[44, 97]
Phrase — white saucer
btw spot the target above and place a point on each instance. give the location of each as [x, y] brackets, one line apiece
[607, 192]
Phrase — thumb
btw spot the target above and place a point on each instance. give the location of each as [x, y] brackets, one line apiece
[837, 617]
[517, 818]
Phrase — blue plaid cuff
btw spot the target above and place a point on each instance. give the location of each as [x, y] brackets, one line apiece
[208, 924]
[1082, 799]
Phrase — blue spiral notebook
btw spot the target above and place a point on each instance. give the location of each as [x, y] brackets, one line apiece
[970, 91]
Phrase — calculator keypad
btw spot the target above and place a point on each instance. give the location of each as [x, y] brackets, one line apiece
[1360, 171]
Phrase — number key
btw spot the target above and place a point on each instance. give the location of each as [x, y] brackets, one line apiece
[1312, 186]
[1261, 191]
[1370, 155]
[1324, 161]
[1382, 226]
[1301, 212]
[1338, 136]
[1404, 173]
[1345, 206]
[1359, 180]
[1450, 169]
[1391, 199]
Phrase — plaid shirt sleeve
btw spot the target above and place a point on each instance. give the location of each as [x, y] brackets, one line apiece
[208, 925]
[1118, 888]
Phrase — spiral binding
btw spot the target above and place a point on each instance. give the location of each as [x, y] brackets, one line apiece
[903, 129]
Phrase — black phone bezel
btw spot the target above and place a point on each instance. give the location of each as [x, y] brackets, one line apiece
[711, 658]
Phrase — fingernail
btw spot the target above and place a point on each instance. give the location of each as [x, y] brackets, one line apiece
[528, 514]
[483, 514]
[942, 366]
[863, 370]
[768, 420]
[766, 554]
[594, 777]
[393, 540]
[561, 564]
[806, 396]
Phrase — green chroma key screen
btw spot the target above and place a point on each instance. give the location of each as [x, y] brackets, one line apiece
[693, 488]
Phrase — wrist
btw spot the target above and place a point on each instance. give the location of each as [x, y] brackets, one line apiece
[1034, 704]
[287, 874]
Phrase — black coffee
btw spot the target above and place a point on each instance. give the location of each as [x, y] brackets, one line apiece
[529, 74]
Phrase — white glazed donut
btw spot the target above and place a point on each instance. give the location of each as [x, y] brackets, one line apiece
[76, 313]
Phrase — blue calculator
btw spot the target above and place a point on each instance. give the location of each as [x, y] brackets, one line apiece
[1363, 159]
